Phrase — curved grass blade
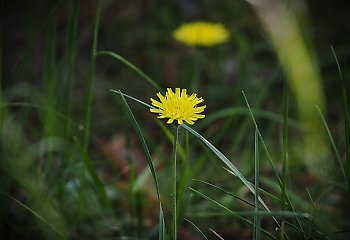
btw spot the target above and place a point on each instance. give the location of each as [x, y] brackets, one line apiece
[196, 227]
[346, 111]
[149, 161]
[332, 142]
[225, 160]
[132, 67]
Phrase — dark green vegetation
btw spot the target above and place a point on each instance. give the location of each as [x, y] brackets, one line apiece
[271, 160]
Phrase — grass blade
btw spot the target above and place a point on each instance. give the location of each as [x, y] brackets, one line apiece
[332, 142]
[162, 232]
[142, 140]
[225, 160]
[285, 154]
[37, 215]
[132, 67]
[346, 111]
[230, 211]
[257, 221]
[196, 227]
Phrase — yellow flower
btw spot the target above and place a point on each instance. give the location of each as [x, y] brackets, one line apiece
[201, 34]
[178, 106]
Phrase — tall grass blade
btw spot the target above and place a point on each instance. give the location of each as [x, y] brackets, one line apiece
[132, 67]
[149, 161]
[269, 156]
[285, 154]
[162, 228]
[346, 111]
[257, 220]
[142, 140]
[262, 140]
[335, 149]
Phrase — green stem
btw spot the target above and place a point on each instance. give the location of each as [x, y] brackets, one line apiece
[176, 137]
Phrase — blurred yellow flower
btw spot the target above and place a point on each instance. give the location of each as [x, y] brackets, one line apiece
[201, 34]
[178, 106]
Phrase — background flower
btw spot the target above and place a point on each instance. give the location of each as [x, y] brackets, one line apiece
[201, 34]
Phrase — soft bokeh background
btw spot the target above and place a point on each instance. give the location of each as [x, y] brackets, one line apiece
[46, 61]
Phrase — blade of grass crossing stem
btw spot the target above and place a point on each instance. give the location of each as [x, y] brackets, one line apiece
[91, 77]
[285, 154]
[149, 161]
[346, 111]
[132, 67]
[225, 160]
[257, 220]
[332, 142]
[230, 211]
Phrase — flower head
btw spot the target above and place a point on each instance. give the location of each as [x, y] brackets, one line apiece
[178, 106]
[201, 33]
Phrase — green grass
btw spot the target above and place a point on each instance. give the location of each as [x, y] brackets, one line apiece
[82, 157]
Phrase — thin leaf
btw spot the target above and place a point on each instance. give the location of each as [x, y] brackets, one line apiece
[195, 226]
[36, 215]
[162, 231]
[132, 67]
[225, 160]
[332, 142]
[142, 140]
[257, 221]
[346, 111]
[230, 211]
